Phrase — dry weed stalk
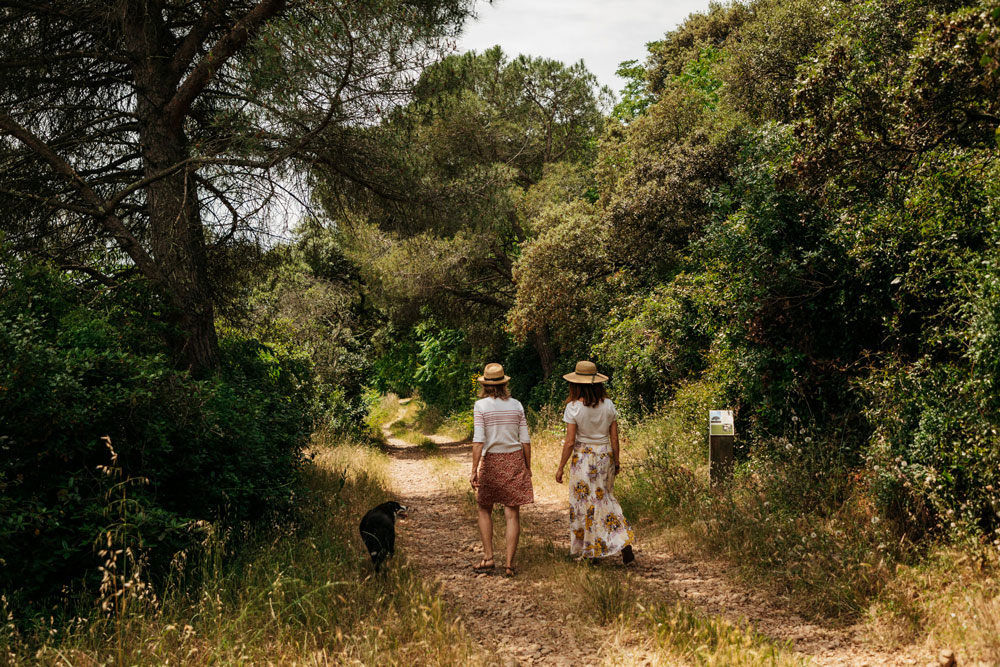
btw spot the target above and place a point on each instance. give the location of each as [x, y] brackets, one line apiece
[120, 545]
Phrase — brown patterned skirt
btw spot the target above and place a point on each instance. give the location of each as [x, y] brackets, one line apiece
[504, 479]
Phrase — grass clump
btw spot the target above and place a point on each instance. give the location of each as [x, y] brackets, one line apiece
[952, 595]
[796, 517]
[428, 445]
[604, 596]
[801, 527]
[382, 409]
[713, 641]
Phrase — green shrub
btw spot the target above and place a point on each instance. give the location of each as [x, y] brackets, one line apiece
[662, 341]
[393, 370]
[78, 365]
[444, 375]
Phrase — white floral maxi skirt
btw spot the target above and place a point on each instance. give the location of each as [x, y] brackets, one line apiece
[597, 527]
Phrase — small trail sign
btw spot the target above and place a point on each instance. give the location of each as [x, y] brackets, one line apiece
[721, 433]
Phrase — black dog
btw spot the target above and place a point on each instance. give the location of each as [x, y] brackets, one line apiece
[378, 530]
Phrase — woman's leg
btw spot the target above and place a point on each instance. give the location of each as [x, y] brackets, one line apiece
[486, 531]
[512, 514]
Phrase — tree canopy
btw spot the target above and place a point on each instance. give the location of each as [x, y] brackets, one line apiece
[481, 136]
[171, 132]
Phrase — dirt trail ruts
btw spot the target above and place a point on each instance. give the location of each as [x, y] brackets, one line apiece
[516, 617]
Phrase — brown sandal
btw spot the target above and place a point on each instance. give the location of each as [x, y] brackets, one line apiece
[483, 567]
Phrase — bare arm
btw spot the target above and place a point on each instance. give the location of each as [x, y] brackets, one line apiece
[477, 452]
[614, 446]
[566, 450]
[526, 450]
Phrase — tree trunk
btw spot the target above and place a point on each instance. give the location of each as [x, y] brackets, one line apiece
[177, 238]
[546, 356]
[178, 246]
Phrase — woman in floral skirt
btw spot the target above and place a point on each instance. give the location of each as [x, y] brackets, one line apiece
[598, 528]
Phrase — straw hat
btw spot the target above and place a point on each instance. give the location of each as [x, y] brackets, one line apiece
[586, 373]
[493, 374]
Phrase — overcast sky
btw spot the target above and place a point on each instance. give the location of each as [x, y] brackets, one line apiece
[601, 32]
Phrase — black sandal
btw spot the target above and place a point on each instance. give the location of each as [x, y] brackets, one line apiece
[508, 571]
[483, 567]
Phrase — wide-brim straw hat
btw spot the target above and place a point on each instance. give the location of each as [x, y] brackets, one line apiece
[493, 374]
[586, 373]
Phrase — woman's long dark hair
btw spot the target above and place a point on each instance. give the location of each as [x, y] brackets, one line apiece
[590, 394]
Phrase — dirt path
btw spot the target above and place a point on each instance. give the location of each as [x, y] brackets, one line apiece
[519, 619]
[442, 539]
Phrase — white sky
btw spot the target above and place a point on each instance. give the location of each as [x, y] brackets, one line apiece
[601, 32]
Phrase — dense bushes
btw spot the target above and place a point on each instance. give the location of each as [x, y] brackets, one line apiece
[841, 275]
[307, 304]
[81, 364]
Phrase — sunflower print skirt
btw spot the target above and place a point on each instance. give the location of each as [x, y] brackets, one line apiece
[597, 527]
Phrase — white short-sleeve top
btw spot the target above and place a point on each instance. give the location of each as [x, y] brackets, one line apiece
[593, 425]
[499, 424]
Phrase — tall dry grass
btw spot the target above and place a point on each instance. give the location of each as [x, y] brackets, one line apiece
[796, 521]
[950, 598]
[298, 592]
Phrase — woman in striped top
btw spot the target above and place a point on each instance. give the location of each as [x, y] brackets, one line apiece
[501, 463]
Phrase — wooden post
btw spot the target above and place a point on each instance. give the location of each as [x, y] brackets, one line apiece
[720, 446]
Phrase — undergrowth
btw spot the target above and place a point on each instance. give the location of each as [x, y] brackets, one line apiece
[299, 592]
[802, 523]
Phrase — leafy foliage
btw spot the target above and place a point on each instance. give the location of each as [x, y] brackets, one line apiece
[444, 375]
[655, 343]
[78, 365]
[635, 96]
[165, 133]
[311, 303]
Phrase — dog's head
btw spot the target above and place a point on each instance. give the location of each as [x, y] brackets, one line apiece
[398, 510]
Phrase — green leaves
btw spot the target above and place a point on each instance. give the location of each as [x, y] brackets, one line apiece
[444, 373]
[701, 75]
[78, 365]
[636, 97]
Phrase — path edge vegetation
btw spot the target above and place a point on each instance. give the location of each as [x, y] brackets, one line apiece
[297, 589]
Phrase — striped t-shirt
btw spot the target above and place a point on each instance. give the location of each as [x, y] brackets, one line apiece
[499, 424]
